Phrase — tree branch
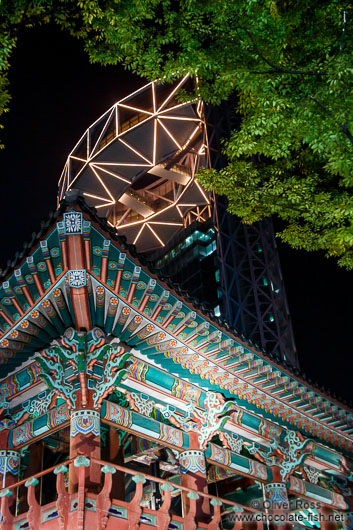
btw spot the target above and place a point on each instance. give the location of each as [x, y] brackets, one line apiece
[275, 68]
[342, 126]
[28, 20]
[279, 70]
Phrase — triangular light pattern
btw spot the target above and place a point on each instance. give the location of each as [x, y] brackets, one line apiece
[137, 163]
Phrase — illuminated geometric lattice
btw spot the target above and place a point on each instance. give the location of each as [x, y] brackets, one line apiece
[137, 163]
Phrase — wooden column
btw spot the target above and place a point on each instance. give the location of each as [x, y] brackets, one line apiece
[114, 453]
[193, 475]
[9, 468]
[85, 440]
[35, 465]
[9, 464]
[276, 501]
[327, 521]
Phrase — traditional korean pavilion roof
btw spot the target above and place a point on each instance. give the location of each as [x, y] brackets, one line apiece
[120, 292]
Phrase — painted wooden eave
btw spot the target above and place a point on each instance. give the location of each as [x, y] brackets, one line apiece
[37, 304]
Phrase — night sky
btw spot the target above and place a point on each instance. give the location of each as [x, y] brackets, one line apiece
[56, 95]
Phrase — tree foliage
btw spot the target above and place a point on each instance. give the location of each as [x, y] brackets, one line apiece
[290, 62]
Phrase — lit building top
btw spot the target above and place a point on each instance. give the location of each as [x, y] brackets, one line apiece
[137, 163]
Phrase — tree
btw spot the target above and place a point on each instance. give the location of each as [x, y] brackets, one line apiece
[290, 62]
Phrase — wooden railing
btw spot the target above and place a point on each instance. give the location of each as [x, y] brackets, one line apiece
[98, 511]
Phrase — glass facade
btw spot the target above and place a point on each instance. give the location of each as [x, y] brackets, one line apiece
[193, 264]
